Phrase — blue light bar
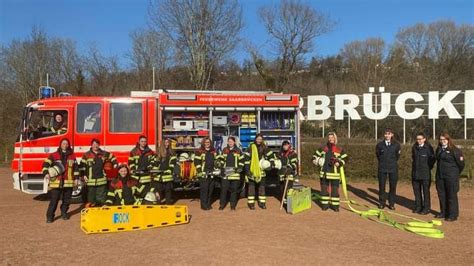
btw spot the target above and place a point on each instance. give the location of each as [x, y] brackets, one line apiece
[46, 92]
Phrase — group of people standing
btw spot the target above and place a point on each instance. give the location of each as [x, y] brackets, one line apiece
[149, 176]
[449, 162]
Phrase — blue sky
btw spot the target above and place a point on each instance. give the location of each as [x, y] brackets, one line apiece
[107, 23]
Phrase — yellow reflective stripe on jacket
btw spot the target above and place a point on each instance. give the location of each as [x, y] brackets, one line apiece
[97, 181]
[56, 182]
[143, 179]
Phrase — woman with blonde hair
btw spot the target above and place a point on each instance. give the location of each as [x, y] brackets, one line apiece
[330, 158]
[165, 164]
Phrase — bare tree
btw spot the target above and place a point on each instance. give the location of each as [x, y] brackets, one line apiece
[292, 26]
[441, 53]
[365, 60]
[104, 73]
[203, 32]
[150, 49]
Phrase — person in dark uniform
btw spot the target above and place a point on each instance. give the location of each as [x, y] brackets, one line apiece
[331, 158]
[59, 125]
[61, 185]
[93, 173]
[124, 190]
[388, 153]
[232, 165]
[289, 166]
[166, 162]
[258, 159]
[450, 163]
[423, 160]
[141, 161]
[206, 163]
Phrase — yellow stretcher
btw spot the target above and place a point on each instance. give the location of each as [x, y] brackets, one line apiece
[131, 218]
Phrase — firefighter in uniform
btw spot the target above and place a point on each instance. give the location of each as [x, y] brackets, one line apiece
[289, 165]
[232, 165]
[62, 183]
[206, 160]
[388, 153]
[92, 170]
[124, 190]
[141, 161]
[59, 125]
[450, 163]
[423, 160]
[330, 158]
[165, 164]
[256, 155]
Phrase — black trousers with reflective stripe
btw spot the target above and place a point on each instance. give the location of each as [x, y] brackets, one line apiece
[261, 189]
[206, 188]
[233, 186]
[334, 184]
[448, 189]
[166, 191]
[96, 194]
[392, 180]
[56, 194]
[421, 189]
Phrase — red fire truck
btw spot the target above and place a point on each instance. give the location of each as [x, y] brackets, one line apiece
[183, 116]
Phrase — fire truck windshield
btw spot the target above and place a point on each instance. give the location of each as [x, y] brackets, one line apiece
[45, 123]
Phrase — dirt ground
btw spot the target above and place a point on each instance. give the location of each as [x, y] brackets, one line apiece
[241, 237]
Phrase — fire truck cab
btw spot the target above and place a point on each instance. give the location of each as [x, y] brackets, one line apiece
[185, 117]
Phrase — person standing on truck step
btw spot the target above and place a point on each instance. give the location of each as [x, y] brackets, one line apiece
[93, 173]
[331, 158]
[289, 166]
[61, 184]
[450, 163]
[206, 161]
[388, 153]
[141, 161]
[123, 190]
[166, 162]
[59, 125]
[258, 159]
[233, 164]
[423, 160]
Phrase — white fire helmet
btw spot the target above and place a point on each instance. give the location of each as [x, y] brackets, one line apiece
[56, 170]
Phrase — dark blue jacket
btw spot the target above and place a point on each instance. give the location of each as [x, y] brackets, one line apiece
[388, 156]
[450, 163]
[423, 160]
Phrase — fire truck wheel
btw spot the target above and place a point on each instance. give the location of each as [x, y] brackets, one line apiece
[79, 193]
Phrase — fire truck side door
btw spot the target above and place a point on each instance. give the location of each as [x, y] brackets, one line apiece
[126, 122]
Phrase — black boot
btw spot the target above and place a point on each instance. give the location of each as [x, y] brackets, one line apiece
[64, 216]
[325, 208]
[424, 212]
[251, 206]
[262, 205]
[49, 220]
